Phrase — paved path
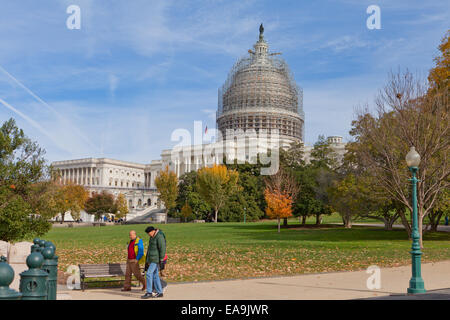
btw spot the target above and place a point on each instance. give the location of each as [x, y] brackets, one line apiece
[335, 286]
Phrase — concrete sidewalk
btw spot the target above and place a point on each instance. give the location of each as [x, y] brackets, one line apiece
[333, 286]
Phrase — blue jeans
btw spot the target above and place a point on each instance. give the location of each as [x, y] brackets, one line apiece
[153, 278]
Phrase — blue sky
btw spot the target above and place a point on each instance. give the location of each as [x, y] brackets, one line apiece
[139, 69]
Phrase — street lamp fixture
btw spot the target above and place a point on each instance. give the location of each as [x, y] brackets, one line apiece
[416, 284]
[413, 158]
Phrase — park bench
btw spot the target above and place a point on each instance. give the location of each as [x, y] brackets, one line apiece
[100, 224]
[109, 270]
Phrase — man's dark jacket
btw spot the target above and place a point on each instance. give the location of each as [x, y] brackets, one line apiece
[156, 248]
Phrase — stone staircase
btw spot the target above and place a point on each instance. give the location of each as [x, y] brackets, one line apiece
[137, 212]
[151, 214]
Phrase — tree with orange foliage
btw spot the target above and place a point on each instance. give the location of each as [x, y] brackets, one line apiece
[281, 189]
[215, 184]
[439, 75]
[279, 205]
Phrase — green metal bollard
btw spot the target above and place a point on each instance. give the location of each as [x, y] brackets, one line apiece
[42, 243]
[33, 282]
[35, 247]
[6, 277]
[51, 267]
[49, 244]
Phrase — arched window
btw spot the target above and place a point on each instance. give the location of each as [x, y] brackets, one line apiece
[139, 202]
[149, 202]
[130, 203]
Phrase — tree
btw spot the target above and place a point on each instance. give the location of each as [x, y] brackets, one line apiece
[216, 184]
[122, 206]
[376, 203]
[441, 209]
[71, 198]
[292, 157]
[279, 205]
[439, 76]
[167, 184]
[250, 200]
[322, 155]
[281, 188]
[100, 203]
[346, 199]
[314, 180]
[407, 115]
[23, 175]
[186, 211]
[188, 192]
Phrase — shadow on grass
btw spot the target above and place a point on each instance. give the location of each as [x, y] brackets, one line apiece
[326, 232]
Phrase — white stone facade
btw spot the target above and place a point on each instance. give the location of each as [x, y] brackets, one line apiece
[135, 181]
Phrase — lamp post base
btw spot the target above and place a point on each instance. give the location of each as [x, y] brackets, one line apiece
[416, 286]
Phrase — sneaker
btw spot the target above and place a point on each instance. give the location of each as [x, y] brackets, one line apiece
[147, 296]
[158, 295]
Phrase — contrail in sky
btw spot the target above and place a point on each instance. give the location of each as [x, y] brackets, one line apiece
[78, 132]
[34, 124]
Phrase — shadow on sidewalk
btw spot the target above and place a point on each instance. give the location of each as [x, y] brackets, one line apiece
[439, 294]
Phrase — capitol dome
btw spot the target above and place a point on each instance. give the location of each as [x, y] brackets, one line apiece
[260, 93]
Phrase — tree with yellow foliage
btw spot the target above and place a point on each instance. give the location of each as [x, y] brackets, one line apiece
[71, 198]
[121, 205]
[186, 211]
[167, 184]
[215, 185]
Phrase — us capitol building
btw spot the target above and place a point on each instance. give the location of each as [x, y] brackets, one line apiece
[259, 96]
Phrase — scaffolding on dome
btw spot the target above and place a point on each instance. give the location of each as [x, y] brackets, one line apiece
[261, 84]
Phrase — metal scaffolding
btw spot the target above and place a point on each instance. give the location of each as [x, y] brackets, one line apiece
[261, 93]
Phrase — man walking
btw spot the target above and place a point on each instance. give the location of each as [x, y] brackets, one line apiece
[135, 256]
[156, 252]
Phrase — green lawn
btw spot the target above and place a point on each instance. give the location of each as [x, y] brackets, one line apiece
[237, 250]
